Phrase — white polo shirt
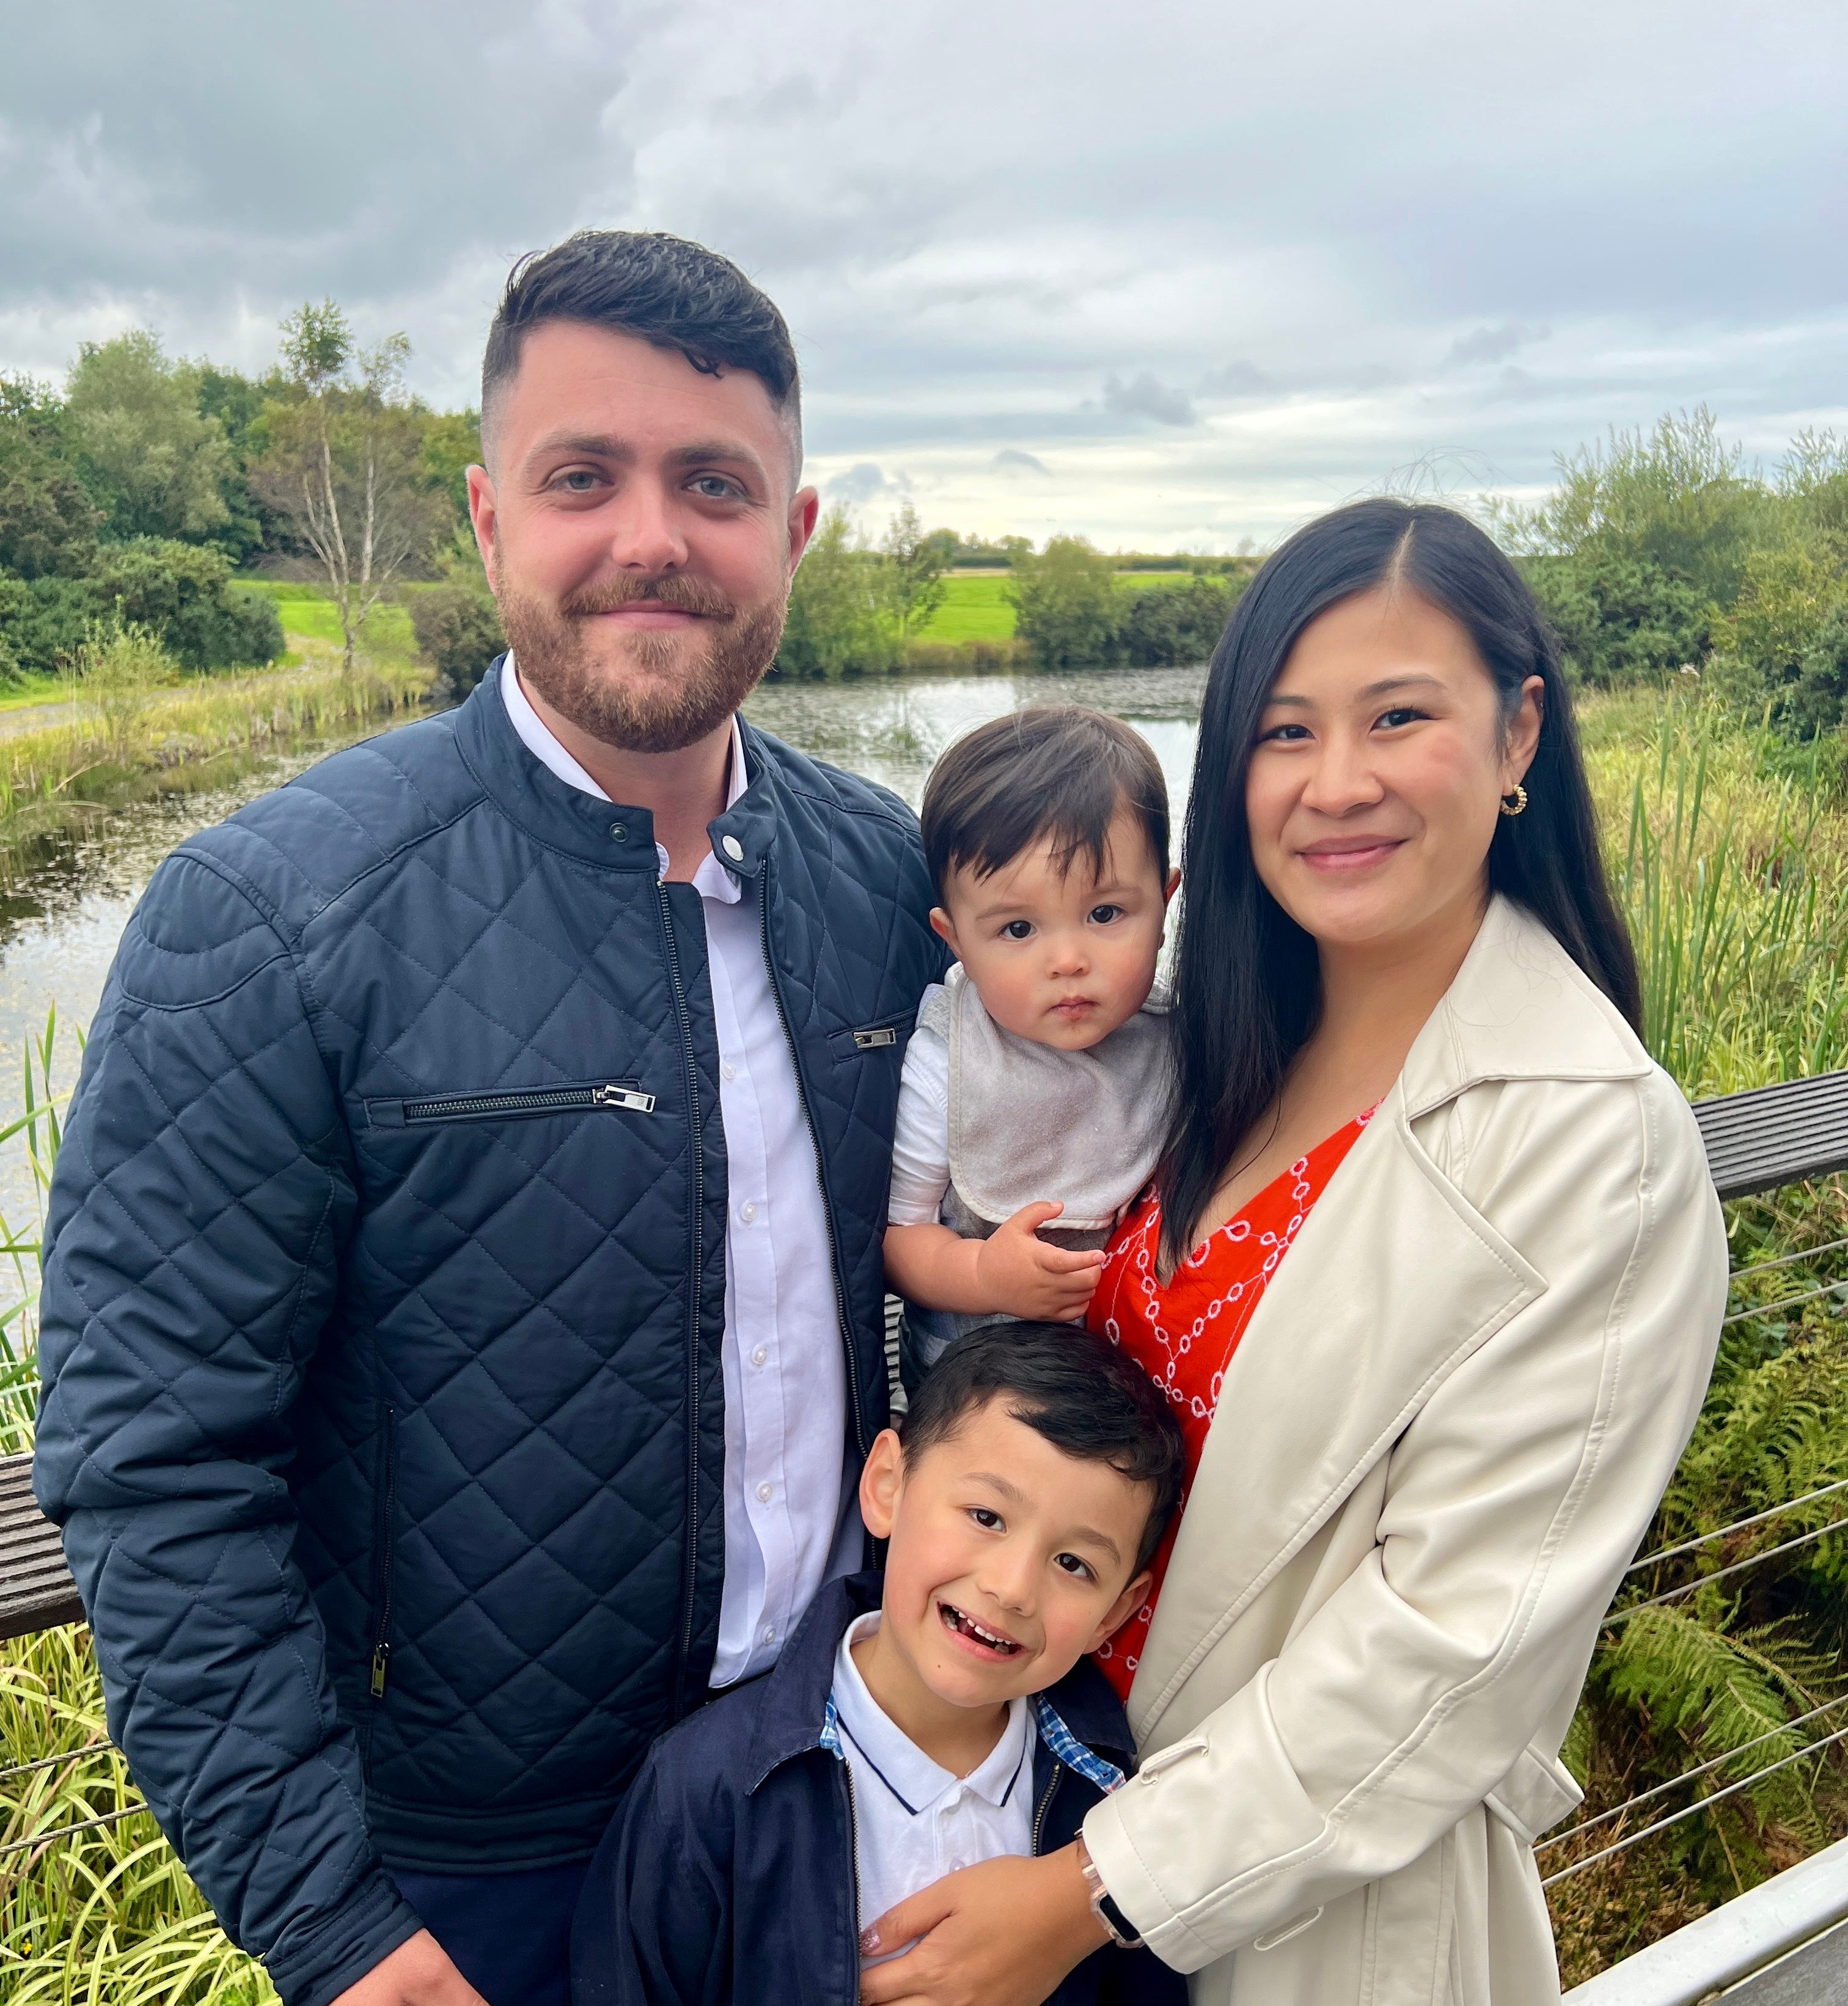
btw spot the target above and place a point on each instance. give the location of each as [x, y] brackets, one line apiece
[792, 1515]
[913, 1821]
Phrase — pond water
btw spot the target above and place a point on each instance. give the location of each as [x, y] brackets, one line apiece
[58, 929]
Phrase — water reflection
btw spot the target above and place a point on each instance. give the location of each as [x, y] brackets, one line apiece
[58, 929]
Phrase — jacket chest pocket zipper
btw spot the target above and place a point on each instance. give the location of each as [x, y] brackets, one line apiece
[516, 1102]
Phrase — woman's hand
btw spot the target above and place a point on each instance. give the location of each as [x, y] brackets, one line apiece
[1003, 1934]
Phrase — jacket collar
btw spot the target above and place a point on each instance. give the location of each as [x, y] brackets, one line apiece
[1079, 1720]
[562, 817]
[1519, 1009]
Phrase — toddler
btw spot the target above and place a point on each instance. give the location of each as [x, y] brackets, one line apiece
[1035, 1086]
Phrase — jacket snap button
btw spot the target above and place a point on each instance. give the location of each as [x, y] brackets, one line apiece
[619, 831]
[733, 849]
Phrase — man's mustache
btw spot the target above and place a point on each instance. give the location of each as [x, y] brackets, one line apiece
[683, 594]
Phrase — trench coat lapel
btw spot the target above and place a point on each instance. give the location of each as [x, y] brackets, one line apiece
[1393, 1281]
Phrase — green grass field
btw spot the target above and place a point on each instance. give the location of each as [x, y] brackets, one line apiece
[307, 614]
[975, 607]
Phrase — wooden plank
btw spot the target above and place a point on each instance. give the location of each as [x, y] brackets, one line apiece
[37, 1592]
[1774, 1135]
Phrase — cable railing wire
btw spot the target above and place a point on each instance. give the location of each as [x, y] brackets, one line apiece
[1720, 1573]
[68, 1831]
[1690, 1776]
[1784, 1260]
[52, 1762]
[1738, 1525]
[1690, 1810]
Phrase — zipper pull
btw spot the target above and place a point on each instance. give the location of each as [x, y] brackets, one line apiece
[621, 1096]
[381, 1658]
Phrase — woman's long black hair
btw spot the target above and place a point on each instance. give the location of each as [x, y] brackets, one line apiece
[1248, 985]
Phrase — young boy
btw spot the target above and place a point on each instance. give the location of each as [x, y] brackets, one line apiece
[941, 1715]
[1034, 1087]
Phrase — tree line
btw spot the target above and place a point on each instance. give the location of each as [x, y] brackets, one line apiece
[136, 495]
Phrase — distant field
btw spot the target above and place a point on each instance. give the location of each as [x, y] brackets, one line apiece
[975, 607]
[307, 614]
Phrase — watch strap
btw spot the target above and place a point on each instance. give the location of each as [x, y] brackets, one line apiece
[1122, 1931]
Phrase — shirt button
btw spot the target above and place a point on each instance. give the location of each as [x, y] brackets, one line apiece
[760, 1354]
[763, 1494]
[747, 1212]
[728, 1069]
[770, 1633]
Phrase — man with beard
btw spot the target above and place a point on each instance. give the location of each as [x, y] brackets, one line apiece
[462, 1323]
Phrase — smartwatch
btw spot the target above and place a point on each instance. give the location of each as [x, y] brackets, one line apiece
[1122, 1930]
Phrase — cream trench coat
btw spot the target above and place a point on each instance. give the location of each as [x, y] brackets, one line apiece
[1436, 1449]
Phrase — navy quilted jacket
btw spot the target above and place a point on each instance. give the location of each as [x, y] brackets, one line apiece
[382, 1303]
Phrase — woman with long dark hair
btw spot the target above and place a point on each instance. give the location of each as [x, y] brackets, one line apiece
[1434, 1271]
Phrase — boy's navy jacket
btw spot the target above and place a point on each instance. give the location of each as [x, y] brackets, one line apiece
[728, 1878]
[384, 1294]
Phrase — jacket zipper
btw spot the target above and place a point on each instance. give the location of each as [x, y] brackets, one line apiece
[686, 1039]
[382, 1635]
[815, 1137]
[846, 1772]
[536, 1100]
[1052, 1785]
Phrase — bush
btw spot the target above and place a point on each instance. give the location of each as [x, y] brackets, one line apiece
[1067, 606]
[1167, 623]
[1620, 619]
[43, 621]
[183, 592]
[458, 628]
[840, 622]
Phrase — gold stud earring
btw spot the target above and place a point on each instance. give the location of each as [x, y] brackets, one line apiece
[1517, 802]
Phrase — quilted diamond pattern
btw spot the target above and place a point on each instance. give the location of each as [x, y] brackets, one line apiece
[321, 1378]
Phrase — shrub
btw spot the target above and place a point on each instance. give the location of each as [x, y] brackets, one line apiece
[962, 658]
[183, 592]
[117, 671]
[458, 628]
[1167, 623]
[840, 622]
[1620, 619]
[1067, 605]
[43, 621]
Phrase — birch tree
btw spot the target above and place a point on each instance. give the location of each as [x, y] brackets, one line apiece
[343, 463]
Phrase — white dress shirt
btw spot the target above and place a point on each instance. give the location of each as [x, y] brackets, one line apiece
[792, 1519]
[914, 1822]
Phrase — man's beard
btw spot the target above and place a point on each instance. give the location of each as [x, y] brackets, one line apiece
[648, 698]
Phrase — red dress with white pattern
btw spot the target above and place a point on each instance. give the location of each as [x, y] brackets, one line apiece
[1184, 1335]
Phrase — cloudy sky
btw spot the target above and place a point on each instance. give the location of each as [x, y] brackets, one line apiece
[1176, 274]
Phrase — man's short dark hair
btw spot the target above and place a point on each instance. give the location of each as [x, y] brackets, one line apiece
[1057, 770]
[1078, 1390]
[658, 288]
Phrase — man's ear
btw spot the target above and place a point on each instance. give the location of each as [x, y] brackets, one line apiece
[805, 513]
[945, 928]
[481, 511]
[881, 1481]
[1121, 1610]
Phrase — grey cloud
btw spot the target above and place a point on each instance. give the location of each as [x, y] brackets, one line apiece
[1012, 460]
[1235, 379]
[858, 484]
[1145, 396]
[1492, 344]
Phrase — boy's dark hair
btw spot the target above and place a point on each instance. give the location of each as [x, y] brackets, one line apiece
[662, 289]
[1078, 1390]
[1061, 770]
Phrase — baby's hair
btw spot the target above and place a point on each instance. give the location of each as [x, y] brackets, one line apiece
[1078, 1391]
[1057, 770]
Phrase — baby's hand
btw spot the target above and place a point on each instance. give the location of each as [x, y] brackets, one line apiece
[1024, 1277]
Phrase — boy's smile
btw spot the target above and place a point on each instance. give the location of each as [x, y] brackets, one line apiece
[1008, 1561]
